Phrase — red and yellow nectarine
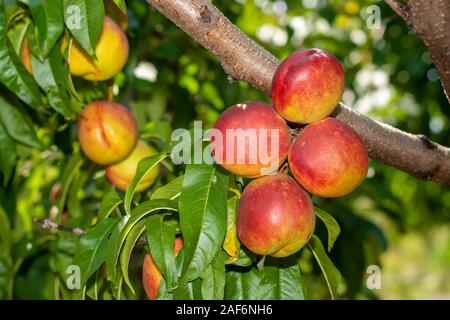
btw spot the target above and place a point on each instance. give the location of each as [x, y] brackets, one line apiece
[107, 132]
[252, 139]
[307, 86]
[151, 275]
[328, 158]
[275, 216]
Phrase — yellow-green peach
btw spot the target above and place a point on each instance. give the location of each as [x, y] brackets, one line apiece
[307, 86]
[328, 158]
[275, 216]
[121, 174]
[111, 54]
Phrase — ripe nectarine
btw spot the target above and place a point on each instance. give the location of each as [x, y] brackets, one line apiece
[111, 54]
[328, 158]
[275, 216]
[307, 86]
[121, 174]
[151, 275]
[107, 132]
[252, 140]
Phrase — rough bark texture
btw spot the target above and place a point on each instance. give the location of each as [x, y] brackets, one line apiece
[430, 20]
[245, 60]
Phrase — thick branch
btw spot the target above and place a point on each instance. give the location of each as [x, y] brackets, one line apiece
[245, 60]
[430, 20]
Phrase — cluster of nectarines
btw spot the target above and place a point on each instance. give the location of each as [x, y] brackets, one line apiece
[107, 131]
[327, 158]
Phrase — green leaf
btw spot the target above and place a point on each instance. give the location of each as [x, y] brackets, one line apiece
[161, 242]
[127, 249]
[281, 280]
[231, 244]
[213, 285]
[109, 203]
[5, 233]
[90, 251]
[69, 173]
[144, 166]
[7, 154]
[190, 291]
[110, 251]
[51, 76]
[84, 19]
[139, 213]
[242, 285]
[203, 217]
[121, 4]
[17, 126]
[13, 73]
[171, 191]
[49, 20]
[246, 258]
[329, 270]
[331, 224]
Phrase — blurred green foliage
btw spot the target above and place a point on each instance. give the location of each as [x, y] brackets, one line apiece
[392, 220]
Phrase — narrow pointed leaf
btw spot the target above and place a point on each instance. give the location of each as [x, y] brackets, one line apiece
[281, 281]
[84, 19]
[109, 203]
[49, 20]
[161, 242]
[127, 249]
[330, 272]
[171, 191]
[242, 285]
[140, 212]
[144, 166]
[17, 126]
[213, 285]
[203, 217]
[90, 251]
[331, 224]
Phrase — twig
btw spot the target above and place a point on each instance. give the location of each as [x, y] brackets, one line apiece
[48, 224]
[78, 232]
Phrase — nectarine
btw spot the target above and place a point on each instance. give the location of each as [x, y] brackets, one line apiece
[307, 86]
[25, 56]
[251, 139]
[107, 132]
[275, 216]
[328, 158]
[121, 174]
[151, 275]
[111, 54]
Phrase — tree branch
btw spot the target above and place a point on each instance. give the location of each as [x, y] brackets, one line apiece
[430, 20]
[244, 60]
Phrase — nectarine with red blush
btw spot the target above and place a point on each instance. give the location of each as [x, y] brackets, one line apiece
[328, 158]
[275, 216]
[307, 86]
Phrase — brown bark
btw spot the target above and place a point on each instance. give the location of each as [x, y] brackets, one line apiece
[244, 60]
[430, 20]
